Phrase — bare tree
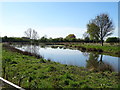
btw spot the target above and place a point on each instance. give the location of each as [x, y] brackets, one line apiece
[32, 34]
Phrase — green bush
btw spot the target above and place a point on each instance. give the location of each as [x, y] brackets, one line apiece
[112, 40]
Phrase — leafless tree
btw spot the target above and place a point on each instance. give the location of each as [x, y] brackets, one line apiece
[32, 34]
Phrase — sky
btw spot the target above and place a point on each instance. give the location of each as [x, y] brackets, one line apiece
[53, 19]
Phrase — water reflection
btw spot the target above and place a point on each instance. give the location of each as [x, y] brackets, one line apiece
[32, 49]
[85, 54]
[94, 63]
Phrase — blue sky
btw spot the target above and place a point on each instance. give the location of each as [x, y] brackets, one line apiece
[54, 19]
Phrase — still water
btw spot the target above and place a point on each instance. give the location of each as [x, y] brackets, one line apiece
[73, 57]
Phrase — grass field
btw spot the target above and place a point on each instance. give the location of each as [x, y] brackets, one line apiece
[113, 50]
[29, 72]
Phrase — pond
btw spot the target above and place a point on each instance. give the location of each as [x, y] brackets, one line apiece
[73, 57]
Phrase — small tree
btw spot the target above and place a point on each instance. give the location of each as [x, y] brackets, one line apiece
[44, 39]
[71, 37]
[100, 27]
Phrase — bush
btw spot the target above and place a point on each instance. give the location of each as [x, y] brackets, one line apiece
[112, 40]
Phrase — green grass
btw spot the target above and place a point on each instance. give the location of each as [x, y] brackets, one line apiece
[29, 72]
[113, 50]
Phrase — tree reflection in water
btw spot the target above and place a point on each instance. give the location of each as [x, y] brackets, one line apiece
[32, 49]
[93, 63]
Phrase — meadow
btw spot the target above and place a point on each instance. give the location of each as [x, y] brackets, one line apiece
[30, 72]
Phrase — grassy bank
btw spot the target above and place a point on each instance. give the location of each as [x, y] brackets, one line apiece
[30, 72]
[113, 50]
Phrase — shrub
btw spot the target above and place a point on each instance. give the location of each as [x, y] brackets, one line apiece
[112, 39]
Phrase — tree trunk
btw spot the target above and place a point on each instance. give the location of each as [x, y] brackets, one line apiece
[102, 42]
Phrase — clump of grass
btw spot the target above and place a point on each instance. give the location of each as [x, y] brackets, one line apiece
[74, 84]
[13, 62]
[54, 46]
[43, 76]
[105, 67]
[42, 60]
[66, 82]
[51, 68]
[60, 47]
[85, 86]
[67, 76]
[64, 47]
[49, 60]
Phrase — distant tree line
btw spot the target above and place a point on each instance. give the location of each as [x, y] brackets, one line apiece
[69, 38]
[15, 39]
